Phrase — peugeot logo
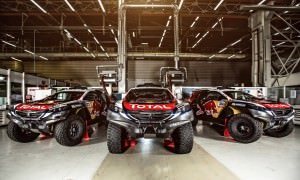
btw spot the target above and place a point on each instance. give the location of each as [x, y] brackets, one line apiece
[28, 114]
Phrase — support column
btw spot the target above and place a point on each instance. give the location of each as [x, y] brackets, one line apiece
[8, 87]
[23, 87]
[122, 85]
[261, 48]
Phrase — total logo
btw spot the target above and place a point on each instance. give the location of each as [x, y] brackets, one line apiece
[276, 106]
[33, 107]
[149, 106]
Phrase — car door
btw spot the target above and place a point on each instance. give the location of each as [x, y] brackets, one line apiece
[93, 104]
[213, 104]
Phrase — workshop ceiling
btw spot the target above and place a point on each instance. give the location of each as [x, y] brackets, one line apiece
[55, 31]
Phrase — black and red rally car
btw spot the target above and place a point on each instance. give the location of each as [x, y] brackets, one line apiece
[66, 114]
[246, 117]
[150, 111]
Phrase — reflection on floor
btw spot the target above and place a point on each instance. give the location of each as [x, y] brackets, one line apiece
[150, 160]
[267, 158]
[213, 157]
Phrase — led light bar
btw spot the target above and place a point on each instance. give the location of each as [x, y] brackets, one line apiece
[116, 40]
[16, 59]
[70, 6]
[236, 42]
[77, 41]
[212, 56]
[96, 40]
[222, 50]
[101, 6]
[260, 3]
[196, 19]
[217, 6]
[30, 52]
[37, 5]
[231, 56]
[86, 49]
[197, 35]
[93, 55]
[180, 4]
[9, 43]
[106, 55]
[133, 34]
[102, 48]
[9, 35]
[43, 58]
[280, 44]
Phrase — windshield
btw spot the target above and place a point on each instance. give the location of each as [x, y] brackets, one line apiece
[239, 95]
[148, 95]
[64, 96]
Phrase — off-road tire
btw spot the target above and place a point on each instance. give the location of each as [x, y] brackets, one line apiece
[254, 126]
[281, 132]
[70, 132]
[194, 122]
[183, 139]
[18, 134]
[116, 139]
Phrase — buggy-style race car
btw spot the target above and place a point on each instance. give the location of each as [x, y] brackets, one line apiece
[66, 114]
[148, 111]
[246, 117]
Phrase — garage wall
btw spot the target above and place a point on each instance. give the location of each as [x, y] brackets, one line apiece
[200, 73]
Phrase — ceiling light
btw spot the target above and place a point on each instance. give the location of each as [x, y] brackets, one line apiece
[144, 43]
[93, 55]
[9, 43]
[197, 35]
[133, 34]
[214, 25]
[180, 4]
[16, 59]
[222, 50]
[236, 42]
[261, 2]
[43, 57]
[196, 19]
[70, 6]
[287, 28]
[96, 40]
[231, 56]
[101, 6]
[86, 49]
[9, 35]
[212, 56]
[116, 40]
[102, 48]
[37, 5]
[30, 52]
[106, 55]
[77, 41]
[275, 34]
[280, 44]
[217, 6]
[168, 23]
[205, 34]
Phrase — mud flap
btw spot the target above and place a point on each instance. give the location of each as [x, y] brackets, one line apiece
[226, 131]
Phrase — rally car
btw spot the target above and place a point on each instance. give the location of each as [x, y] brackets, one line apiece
[246, 117]
[65, 114]
[150, 111]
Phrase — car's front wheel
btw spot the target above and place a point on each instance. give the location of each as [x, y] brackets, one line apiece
[117, 138]
[281, 131]
[183, 139]
[70, 132]
[245, 129]
[18, 134]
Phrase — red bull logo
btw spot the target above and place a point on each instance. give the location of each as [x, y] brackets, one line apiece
[210, 108]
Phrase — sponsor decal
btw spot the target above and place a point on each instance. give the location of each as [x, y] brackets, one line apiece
[33, 107]
[199, 112]
[155, 107]
[276, 106]
[210, 107]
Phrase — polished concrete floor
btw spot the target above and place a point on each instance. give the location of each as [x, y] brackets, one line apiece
[213, 157]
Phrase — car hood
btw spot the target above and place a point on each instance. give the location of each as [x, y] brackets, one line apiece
[268, 104]
[36, 106]
[148, 106]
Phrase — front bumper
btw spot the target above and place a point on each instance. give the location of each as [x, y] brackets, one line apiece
[273, 121]
[162, 128]
[40, 123]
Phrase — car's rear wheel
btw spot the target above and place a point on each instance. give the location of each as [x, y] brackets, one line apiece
[18, 134]
[70, 132]
[245, 129]
[117, 139]
[281, 131]
[183, 139]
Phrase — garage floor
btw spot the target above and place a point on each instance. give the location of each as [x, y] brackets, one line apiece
[213, 157]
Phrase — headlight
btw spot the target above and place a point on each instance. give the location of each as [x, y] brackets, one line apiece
[184, 108]
[115, 109]
[266, 115]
